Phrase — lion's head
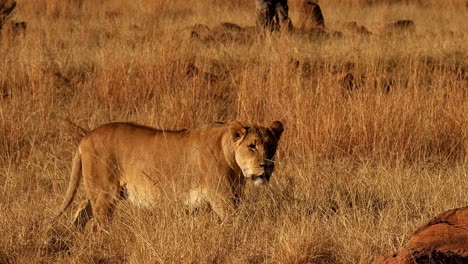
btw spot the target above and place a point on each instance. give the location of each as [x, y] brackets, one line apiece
[255, 149]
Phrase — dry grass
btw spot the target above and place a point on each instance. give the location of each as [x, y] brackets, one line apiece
[356, 172]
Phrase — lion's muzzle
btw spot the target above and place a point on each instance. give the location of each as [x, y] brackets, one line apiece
[261, 179]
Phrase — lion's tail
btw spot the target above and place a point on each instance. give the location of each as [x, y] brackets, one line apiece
[73, 185]
[75, 131]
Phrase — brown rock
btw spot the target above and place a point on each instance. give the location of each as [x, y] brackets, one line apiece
[399, 26]
[321, 33]
[227, 32]
[6, 7]
[191, 70]
[15, 28]
[443, 240]
[200, 32]
[9, 26]
[230, 27]
[348, 82]
[310, 16]
[356, 28]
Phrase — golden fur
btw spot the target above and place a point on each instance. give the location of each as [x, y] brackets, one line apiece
[208, 165]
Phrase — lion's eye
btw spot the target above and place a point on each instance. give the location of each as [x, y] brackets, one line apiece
[252, 146]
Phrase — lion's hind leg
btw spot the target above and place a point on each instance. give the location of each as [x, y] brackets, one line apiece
[102, 187]
[83, 215]
[103, 208]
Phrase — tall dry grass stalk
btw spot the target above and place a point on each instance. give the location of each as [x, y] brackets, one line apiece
[356, 173]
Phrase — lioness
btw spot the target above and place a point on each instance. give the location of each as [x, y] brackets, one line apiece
[210, 164]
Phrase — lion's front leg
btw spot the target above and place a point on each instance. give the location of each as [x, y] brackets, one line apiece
[222, 198]
[218, 179]
[222, 206]
[238, 185]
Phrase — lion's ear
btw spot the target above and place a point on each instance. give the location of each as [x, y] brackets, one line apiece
[277, 128]
[237, 130]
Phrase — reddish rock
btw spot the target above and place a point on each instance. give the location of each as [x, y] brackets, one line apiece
[443, 240]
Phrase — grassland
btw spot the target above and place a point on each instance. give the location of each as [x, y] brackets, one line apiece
[356, 172]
